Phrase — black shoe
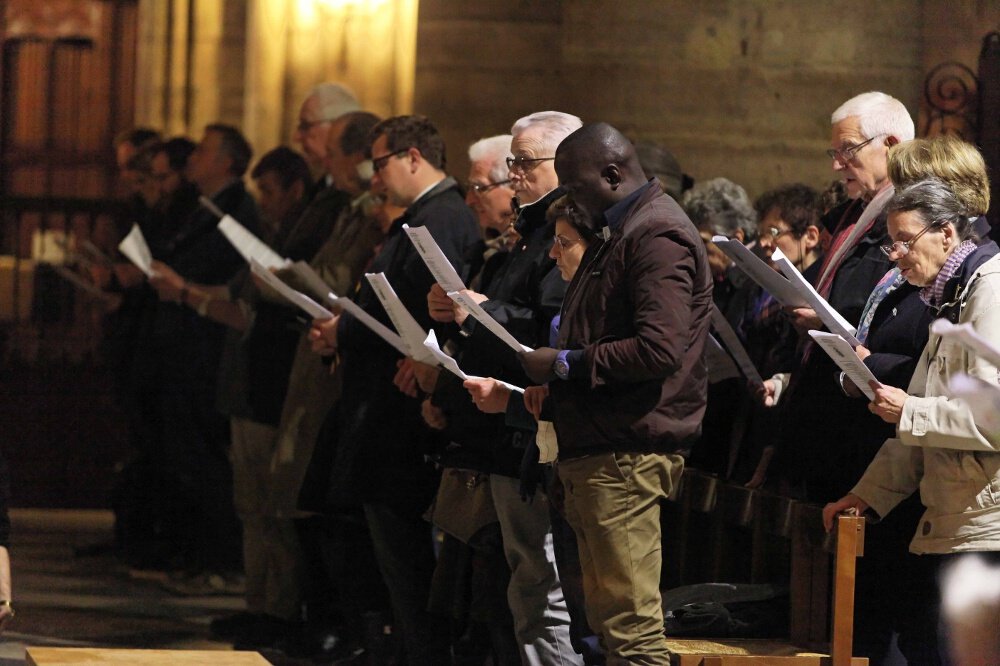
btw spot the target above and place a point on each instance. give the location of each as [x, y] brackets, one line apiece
[266, 632]
[230, 626]
[320, 645]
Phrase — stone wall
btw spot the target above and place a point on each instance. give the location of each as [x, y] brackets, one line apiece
[739, 88]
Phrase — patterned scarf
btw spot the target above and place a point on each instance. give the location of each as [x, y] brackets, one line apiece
[889, 283]
[847, 235]
[932, 295]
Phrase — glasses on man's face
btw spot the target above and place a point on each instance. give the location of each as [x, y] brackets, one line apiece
[306, 125]
[774, 233]
[902, 248]
[525, 164]
[845, 154]
[483, 188]
[378, 163]
[565, 243]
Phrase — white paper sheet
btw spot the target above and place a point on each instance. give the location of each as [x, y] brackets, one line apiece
[310, 278]
[134, 247]
[296, 298]
[438, 264]
[732, 343]
[983, 400]
[491, 324]
[833, 319]
[760, 272]
[248, 245]
[966, 335]
[721, 365]
[412, 333]
[842, 353]
[451, 365]
[373, 324]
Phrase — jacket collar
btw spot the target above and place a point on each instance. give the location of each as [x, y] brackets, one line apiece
[617, 214]
[531, 216]
[442, 187]
[956, 289]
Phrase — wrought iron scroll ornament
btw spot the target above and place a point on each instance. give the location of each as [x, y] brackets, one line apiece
[950, 90]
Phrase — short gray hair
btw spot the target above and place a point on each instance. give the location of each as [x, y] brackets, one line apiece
[333, 100]
[496, 150]
[720, 206]
[878, 114]
[934, 202]
[555, 126]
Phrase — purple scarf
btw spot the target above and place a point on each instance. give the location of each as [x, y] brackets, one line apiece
[932, 294]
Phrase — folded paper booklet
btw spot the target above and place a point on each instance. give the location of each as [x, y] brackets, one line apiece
[370, 322]
[249, 246]
[451, 365]
[830, 317]
[966, 335]
[761, 272]
[134, 247]
[720, 364]
[732, 343]
[437, 263]
[412, 333]
[484, 318]
[296, 298]
[983, 400]
[843, 354]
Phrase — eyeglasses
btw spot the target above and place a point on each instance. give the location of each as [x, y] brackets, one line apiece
[306, 125]
[848, 153]
[564, 243]
[378, 163]
[525, 164]
[481, 189]
[775, 233]
[902, 248]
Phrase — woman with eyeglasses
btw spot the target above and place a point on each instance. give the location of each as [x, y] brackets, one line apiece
[938, 446]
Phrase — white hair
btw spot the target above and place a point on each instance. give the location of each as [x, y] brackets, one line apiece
[496, 150]
[333, 100]
[878, 114]
[555, 126]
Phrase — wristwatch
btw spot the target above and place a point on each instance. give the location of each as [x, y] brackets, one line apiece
[561, 365]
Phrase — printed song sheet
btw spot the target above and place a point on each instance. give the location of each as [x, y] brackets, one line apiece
[983, 400]
[134, 247]
[720, 364]
[373, 324]
[451, 365]
[438, 264]
[760, 272]
[407, 327]
[732, 343]
[966, 335]
[296, 298]
[491, 324]
[249, 246]
[833, 320]
[842, 353]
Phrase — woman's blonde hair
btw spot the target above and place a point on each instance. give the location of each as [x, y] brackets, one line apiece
[948, 158]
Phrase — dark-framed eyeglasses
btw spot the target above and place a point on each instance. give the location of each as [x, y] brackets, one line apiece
[481, 188]
[774, 233]
[525, 164]
[378, 163]
[306, 125]
[902, 248]
[565, 243]
[848, 153]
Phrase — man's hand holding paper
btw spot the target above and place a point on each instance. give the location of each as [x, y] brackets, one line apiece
[323, 336]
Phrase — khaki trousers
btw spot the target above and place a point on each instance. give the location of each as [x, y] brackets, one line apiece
[613, 504]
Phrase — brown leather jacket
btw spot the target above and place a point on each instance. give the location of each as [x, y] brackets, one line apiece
[639, 307]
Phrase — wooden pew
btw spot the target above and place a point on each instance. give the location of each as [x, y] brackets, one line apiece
[820, 571]
[51, 656]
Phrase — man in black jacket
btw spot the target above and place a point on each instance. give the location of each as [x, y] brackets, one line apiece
[628, 388]
[381, 440]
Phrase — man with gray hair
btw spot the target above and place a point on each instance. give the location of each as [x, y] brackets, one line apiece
[324, 104]
[524, 293]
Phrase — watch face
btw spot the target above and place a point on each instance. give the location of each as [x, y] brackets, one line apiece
[561, 369]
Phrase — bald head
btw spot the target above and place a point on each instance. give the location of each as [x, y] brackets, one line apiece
[598, 166]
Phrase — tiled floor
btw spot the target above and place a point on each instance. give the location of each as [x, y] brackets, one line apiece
[63, 598]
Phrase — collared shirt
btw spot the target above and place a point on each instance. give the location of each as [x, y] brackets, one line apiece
[614, 215]
[428, 189]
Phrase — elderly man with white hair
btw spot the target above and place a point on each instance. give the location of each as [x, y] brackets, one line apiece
[523, 293]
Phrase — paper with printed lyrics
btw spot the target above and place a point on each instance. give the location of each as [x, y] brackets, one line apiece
[248, 245]
[966, 335]
[843, 354]
[412, 333]
[370, 322]
[830, 317]
[982, 398]
[451, 365]
[297, 298]
[484, 318]
[134, 247]
[760, 272]
[732, 343]
[721, 365]
[437, 263]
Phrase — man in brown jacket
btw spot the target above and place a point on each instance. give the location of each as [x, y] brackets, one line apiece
[628, 383]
